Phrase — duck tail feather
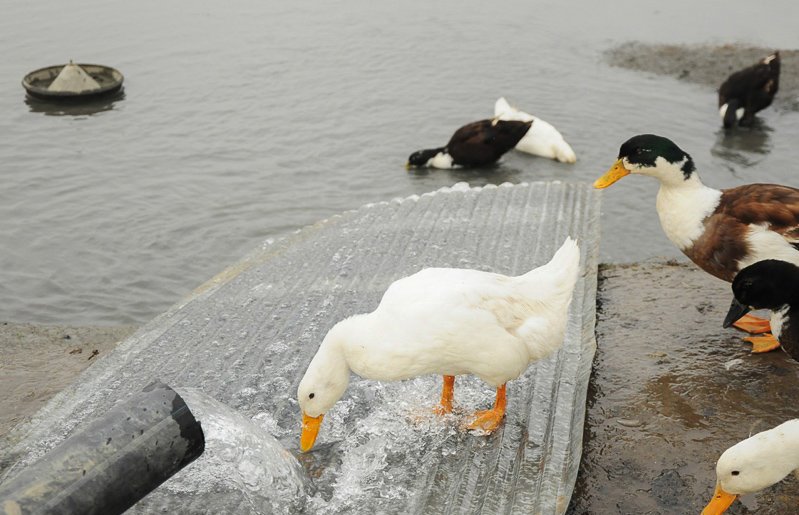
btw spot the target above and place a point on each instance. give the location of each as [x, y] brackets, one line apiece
[564, 267]
[501, 106]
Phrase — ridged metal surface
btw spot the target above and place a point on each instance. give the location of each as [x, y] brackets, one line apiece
[246, 337]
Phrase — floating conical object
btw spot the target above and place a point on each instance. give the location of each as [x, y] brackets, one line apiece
[73, 82]
[73, 79]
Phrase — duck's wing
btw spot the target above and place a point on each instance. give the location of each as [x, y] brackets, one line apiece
[770, 205]
[473, 143]
[507, 133]
[767, 83]
[764, 85]
[443, 287]
[760, 80]
[485, 141]
[471, 133]
[435, 292]
[737, 232]
[763, 77]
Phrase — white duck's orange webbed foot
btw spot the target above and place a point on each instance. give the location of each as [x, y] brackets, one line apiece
[489, 420]
[752, 324]
[765, 343]
[447, 396]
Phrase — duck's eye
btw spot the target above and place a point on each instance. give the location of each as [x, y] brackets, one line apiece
[735, 472]
[311, 396]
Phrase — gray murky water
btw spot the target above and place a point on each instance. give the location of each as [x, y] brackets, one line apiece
[244, 121]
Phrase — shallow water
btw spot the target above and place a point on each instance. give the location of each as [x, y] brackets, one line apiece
[243, 123]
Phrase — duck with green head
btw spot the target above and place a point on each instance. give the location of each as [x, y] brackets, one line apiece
[722, 231]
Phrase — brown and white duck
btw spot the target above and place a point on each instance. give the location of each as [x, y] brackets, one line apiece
[722, 231]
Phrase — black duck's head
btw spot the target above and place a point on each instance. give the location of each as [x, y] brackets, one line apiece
[421, 157]
[648, 154]
[769, 284]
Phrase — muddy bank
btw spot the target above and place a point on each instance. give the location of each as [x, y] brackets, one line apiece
[708, 65]
[670, 391]
[39, 361]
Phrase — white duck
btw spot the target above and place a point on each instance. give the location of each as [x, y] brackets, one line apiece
[756, 463]
[541, 139]
[446, 321]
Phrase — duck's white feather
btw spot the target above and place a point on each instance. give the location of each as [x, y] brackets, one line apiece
[441, 160]
[542, 139]
[682, 205]
[767, 244]
[452, 321]
[778, 318]
[739, 113]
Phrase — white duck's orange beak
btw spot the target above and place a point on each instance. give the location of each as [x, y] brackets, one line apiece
[720, 502]
[310, 428]
[616, 172]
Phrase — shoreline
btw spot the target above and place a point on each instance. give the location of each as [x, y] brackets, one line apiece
[41, 360]
[707, 64]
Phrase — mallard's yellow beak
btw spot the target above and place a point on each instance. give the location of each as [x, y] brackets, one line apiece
[720, 502]
[408, 166]
[616, 172]
[310, 428]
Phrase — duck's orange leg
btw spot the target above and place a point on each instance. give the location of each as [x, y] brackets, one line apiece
[489, 420]
[447, 394]
[752, 324]
[765, 343]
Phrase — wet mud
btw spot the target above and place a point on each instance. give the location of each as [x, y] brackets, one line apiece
[39, 361]
[708, 65]
[670, 391]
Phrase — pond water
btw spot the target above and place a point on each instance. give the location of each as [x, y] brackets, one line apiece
[242, 122]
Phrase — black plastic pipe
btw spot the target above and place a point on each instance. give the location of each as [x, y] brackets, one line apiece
[106, 467]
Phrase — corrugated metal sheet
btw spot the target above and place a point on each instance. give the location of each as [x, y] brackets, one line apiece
[246, 337]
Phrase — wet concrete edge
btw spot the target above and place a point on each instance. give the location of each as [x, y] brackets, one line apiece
[670, 391]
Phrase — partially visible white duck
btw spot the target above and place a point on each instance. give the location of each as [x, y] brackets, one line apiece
[446, 321]
[542, 139]
[756, 463]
